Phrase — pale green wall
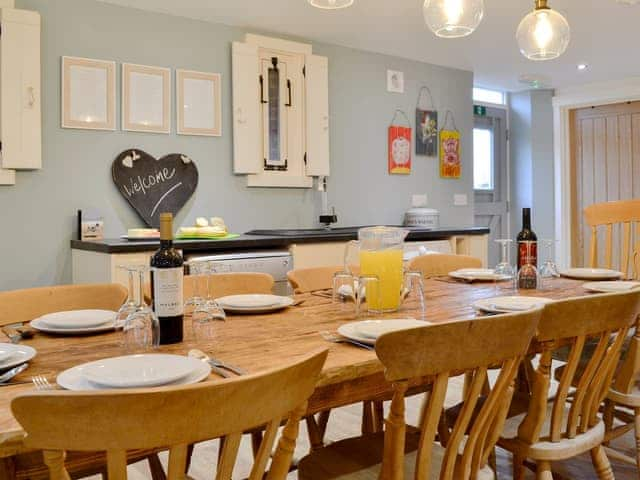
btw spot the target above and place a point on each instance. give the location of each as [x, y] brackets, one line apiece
[37, 215]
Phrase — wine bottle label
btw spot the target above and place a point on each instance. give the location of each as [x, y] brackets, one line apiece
[167, 291]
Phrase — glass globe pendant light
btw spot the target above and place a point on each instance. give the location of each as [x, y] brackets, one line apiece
[453, 18]
[543, 34]
[331, 4]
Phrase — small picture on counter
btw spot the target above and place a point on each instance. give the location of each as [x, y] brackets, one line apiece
[146, 98]
[427, 132]
[88, 94]
[198, 99]
[450, 162]
[399, 150]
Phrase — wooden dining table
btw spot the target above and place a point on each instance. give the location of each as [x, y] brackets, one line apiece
[260, 342]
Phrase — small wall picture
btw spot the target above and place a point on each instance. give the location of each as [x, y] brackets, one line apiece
[88, 94]
[146, 98]
[427, 132]
[395, 81]
[399, 150]
[450, 162]
[198, 100]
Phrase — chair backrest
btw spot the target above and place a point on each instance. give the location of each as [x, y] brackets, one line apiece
[18, 306]
[607, 318]
[636, 261]
[439, 264]
[116, 421]
[306, 280]
[236, 283]
[625, 213]
[449, 349]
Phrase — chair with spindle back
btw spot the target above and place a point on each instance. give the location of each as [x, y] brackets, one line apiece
[305, 280]
[625, 213]
[440, 264]
[437, 352]
[569, 425]
[118, 421]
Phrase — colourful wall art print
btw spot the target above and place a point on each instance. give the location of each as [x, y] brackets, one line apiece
[427, 132]
[399, 150]
[450, 161]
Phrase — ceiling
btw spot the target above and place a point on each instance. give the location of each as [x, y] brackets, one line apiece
[604, 34]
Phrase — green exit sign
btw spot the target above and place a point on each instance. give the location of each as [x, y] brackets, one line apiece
[480, 111]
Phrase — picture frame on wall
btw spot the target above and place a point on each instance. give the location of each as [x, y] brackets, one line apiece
[146, 98]
[198, 103]
[88, 93]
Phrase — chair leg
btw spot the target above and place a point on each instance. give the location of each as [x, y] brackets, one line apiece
[518, 467]
[601, 463]
[608, 415]
[378, 416]
[313, 432]
[367, 417]
[155, 467]
[543, 471]
[636, 411]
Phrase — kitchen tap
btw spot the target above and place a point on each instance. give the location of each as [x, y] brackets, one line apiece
[326, 217]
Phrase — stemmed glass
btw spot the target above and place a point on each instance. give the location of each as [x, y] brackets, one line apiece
[130, 305]
[141, 329]
[528, 275]
[505, 267]
[207, 313]
[549, 269]
[198, 271]
[413, 293]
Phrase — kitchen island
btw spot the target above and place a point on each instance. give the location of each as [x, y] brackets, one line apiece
[96, 261]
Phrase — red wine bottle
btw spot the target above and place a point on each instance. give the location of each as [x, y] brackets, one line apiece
[527, 253]
[167, 276]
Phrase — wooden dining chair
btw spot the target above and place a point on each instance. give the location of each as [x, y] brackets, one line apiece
[436, 352]
[569, 424]
[440, 264]
[118, 421]
[626, 215]
[305, 280]
[20, 306]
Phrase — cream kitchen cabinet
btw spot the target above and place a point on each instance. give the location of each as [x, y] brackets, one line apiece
[20, 111]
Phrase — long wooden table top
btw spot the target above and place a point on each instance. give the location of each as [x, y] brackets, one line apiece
[260, 342]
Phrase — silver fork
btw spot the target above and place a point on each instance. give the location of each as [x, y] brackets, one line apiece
[337, 338]
[41, 383]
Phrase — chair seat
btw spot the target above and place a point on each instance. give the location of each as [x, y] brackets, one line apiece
[544, 449]
[360, 458]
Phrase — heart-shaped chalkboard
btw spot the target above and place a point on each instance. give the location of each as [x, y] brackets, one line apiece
[154, 186]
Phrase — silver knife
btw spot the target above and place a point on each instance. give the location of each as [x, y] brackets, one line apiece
[8, 375]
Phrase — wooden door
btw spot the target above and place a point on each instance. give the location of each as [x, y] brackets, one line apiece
[605, 166]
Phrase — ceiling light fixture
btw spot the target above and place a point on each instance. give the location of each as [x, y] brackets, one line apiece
[582, 66]
[331, 4]
[543, 34]
[453, 18]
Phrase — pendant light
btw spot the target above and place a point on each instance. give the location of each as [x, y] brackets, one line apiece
[331, 4]
[543, 34]
[453, 18]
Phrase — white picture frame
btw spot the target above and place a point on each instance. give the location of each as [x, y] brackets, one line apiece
[198, 103]
[395, 81]
[88, 97]
[146, 98]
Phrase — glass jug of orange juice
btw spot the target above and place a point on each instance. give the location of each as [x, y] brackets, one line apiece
[380, 256]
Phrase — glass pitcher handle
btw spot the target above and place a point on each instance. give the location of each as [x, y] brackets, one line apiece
[351, 245]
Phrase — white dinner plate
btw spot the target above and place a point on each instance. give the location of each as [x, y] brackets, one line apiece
[610, 287]
[510, 304]
[75, 319]
[367, 331]
[15, 354]
[139, 371]
[478, 275]
[254, 303]
[591, 273]
[74, 378]
[43, 327]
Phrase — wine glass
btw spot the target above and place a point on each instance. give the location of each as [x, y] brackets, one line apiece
[528, 276]
[198, 271]
[505, 267]
[549, 269]
[413, 293]
[208, 314]
[130, 305]
[141, 329]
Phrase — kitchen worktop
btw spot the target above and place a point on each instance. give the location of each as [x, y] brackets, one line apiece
[259, 241]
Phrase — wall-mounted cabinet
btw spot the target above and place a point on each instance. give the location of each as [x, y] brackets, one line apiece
[280, 112]
[20, 114]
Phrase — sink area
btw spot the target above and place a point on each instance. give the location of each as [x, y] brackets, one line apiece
[299, 232]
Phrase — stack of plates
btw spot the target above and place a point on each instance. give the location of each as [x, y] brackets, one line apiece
[368, 331]
[478, 275]
[134, 371]
[510, 304]
[610, 287]
[12, 355]
[591, 273]
[254, 303]
[76, 322]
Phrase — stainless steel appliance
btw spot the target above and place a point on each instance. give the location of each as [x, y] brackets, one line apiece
[274, 262]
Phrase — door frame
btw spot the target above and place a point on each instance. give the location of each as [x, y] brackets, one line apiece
[565, 100]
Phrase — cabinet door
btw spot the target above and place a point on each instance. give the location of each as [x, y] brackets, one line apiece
[20, 119]
[317, 103]
[247, 140]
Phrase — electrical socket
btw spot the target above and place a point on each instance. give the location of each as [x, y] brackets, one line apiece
[460, 199]
[419, 200]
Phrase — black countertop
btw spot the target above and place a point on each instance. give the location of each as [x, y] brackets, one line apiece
[254, 242]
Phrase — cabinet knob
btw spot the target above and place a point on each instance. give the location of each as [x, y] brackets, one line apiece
[239, 116]
[31, 93]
